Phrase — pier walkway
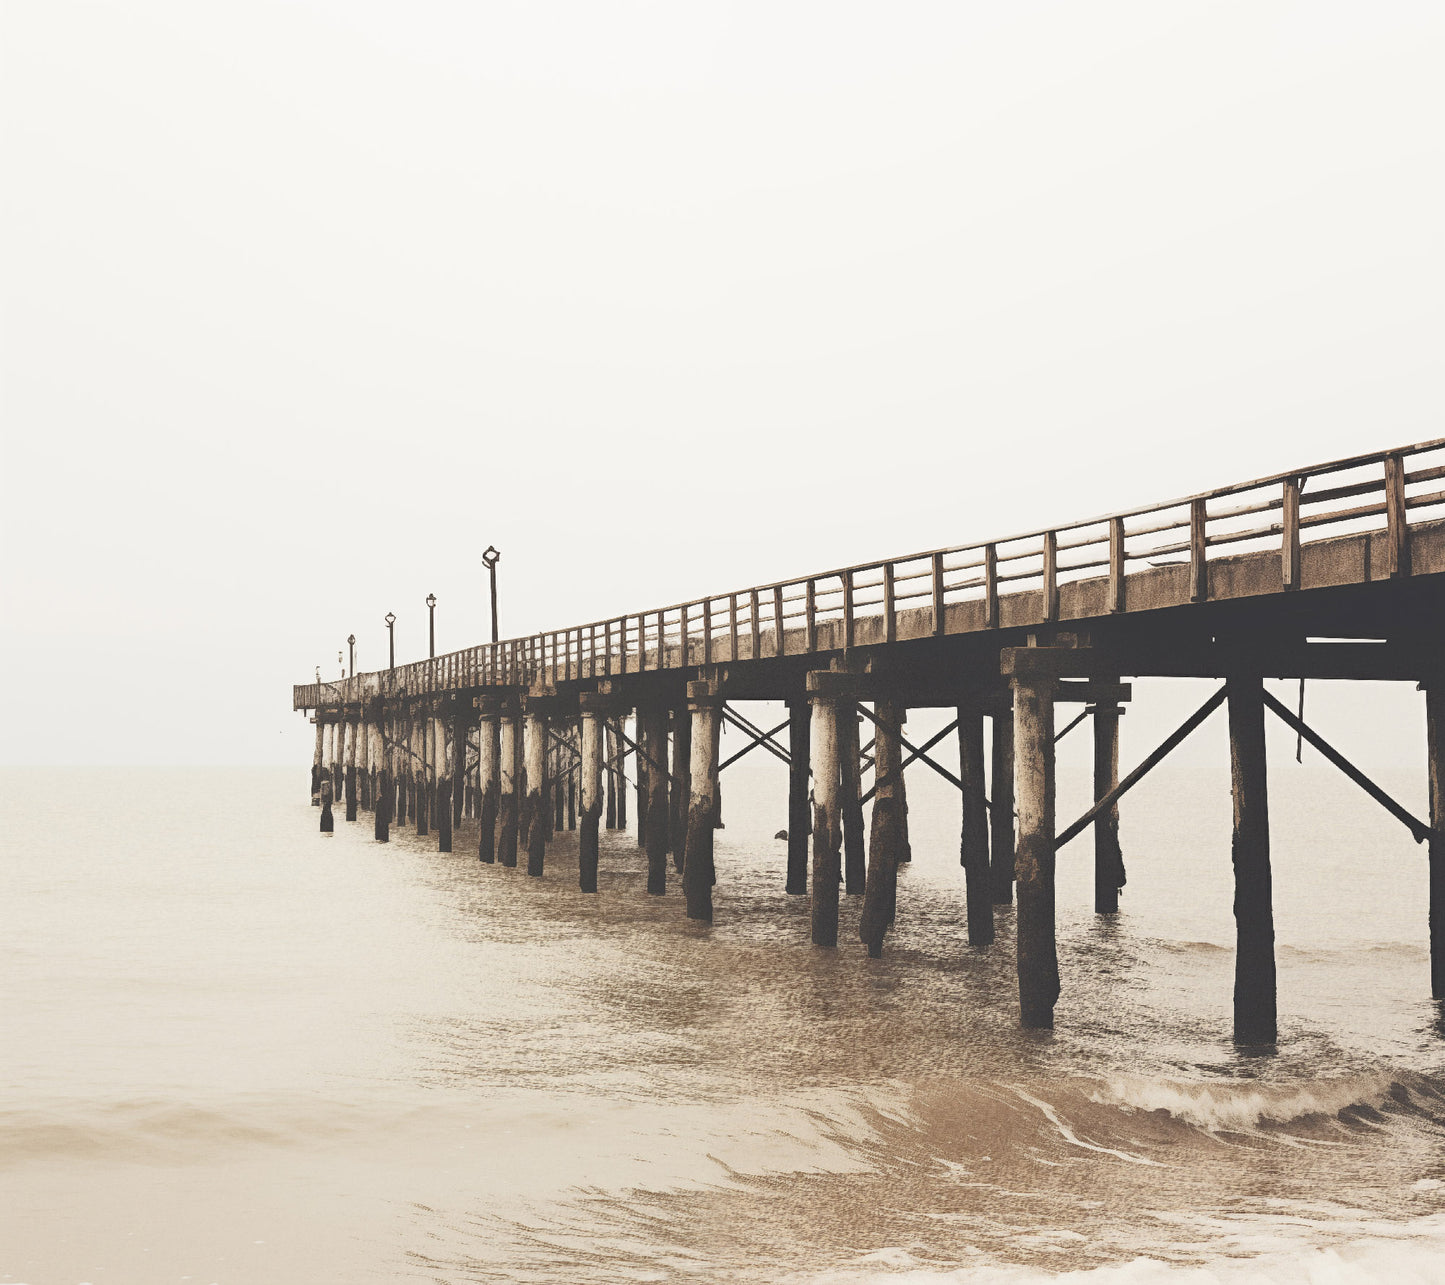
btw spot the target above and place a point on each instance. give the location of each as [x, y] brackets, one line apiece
[1335, 571]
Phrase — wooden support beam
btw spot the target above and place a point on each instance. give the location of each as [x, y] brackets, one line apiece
[488, 776]
[316, 761]
[652, 734]
[1435, 754]
[1157, 756]
[766, 739]
[698, 872]
[1255, 1001]
[973, 837]
[1418, 829]
[328, 820]
[593, 713]
[385, 790]
[609, 750]
[681, 785]
[1038, 959]
[913, 756]
[1109, 874]
[827, 834]
[799, 757]
[442, 774]
[1001, 815]
[888, 835]
[990, 586]
[349, 762]
[534, 808]
[920, 754]
[850, 805]
[938, 605]
[510, 777]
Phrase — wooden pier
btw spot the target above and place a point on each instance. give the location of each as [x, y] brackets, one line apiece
[1335, 571]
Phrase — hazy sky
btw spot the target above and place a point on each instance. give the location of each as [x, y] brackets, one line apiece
[306, 303]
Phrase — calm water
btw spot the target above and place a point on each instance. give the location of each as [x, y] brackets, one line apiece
[237, 1052]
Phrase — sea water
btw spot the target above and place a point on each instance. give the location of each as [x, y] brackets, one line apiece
[235, 1051]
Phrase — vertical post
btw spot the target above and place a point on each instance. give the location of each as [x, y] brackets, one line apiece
[827, 837]
[810, 617]
[534, 818]
[400, 765]
[338, 752]
[780, 633]
[1108, 859]
[938, 618]
[1051, 575]
[350, 727]
[445, 756]
[1435, 745]
[990, 586]
[890, 609]
[799, 737]
[1198, 552]
[328, 822]
[1001, 816]
[609, 750]
[488, 784]
[385, 791]
[573, 742]
[639, 772]
[682, 721]
[850, 807]
[459, 766]
[557, 787]
[652, 745]
[1038, 959]
[621, 778]
[421, 795]
[1397, 529]
[1254, 970]
[973, 836]
[316, 759]
[510, 782]
[1289, 547]
[364, 760]
[1116, 564]
[880, 898]
[591, 791]
[698, 872]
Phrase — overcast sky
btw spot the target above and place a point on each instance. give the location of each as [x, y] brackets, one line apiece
[306, 303]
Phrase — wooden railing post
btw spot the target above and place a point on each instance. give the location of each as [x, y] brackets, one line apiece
[779, 632]
[990, 586]
[733, 625]
[1289, 546]
[847, 610]
[810, 617]
[1198, 548]
[756, 636]
[890, 616]
[707, 631]
[682, 628]
[1397, 530]
[1116, 564]
[938, 593]
[1051, 575]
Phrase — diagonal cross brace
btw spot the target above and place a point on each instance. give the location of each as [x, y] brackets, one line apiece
[1417, 828]
[759, 736]
[765, 740]
[1169, 743]
[915, 753]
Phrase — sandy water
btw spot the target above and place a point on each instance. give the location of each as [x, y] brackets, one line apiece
[237, 1052]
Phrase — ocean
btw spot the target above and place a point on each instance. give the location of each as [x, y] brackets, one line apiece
[236, 1052]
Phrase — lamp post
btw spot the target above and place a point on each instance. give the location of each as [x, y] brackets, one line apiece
[431, 628]
[491, 557]
[390, 640]
[351, 646]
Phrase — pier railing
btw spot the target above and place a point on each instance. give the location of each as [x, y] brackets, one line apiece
[1387, 492]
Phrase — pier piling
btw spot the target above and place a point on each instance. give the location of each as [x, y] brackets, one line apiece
[1254, 967]
[973, 836]
[699, 872]
[800, 730]
[1038, 959]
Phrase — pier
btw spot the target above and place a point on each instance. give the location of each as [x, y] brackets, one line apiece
[1331, 572]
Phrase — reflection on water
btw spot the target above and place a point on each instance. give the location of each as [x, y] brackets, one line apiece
[237, 1052]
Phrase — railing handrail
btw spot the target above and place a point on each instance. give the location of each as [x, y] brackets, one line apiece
[653, 623]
